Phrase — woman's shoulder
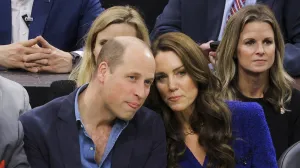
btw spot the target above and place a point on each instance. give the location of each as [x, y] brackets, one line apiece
[244, 108]
[245, 112]
[248, 121]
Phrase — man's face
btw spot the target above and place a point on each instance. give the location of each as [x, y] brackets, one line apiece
[127, 87]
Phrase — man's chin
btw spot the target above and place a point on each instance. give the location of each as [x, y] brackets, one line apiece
[127, 117]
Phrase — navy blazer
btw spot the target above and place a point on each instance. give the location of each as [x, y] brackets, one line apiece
[202, 19]
[63, 23]
[51, 138]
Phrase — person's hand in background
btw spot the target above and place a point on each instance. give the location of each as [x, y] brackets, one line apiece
[14, 55]
[208, 53]
[57, 61]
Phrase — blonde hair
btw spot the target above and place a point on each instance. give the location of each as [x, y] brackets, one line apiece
[280, 86]
[82, 73]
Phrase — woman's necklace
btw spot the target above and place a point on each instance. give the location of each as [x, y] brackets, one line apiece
[190, 132]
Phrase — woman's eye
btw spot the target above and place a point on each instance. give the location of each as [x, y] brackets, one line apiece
[250, 42]
[268, 42]
[160, 78]
[182, 73]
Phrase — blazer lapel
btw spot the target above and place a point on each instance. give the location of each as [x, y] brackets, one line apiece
[123, 148]
[214, 20]
[40, 12]
[67, 132]
[5, 29]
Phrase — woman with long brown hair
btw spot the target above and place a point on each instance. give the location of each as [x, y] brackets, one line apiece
[202, 130]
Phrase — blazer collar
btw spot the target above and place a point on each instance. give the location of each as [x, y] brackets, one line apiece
[214, 20]
[67, 132]
[40, 13]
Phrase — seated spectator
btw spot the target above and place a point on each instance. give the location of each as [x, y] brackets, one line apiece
[13, 102]
[115, 21]
[202, 130]
[101, 124]
[250, 68]
[56, 25]
[205, 20]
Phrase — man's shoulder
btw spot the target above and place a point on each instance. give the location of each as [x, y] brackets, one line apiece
[145, 117]
[10, 87]
[14, 97]
[145, 113]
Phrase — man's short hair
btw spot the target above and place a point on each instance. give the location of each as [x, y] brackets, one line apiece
[112, 53]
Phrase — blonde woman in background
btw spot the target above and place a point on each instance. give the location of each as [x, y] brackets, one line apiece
[250, 66]
[114, 21]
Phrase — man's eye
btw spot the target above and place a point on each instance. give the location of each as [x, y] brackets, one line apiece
[132, 77]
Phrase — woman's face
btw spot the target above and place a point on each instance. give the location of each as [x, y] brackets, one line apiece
[113, 30]
[175, 86]
[256, 48]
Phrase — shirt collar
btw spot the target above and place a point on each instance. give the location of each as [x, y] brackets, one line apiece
[77, 113]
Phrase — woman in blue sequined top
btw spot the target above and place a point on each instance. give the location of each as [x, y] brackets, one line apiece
[202, 129]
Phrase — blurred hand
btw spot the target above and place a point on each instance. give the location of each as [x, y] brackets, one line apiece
[13, 55]
[205, 47]
[212, 57]
[208, 53]
[57, 61]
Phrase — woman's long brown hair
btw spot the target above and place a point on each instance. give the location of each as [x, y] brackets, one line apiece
[211, 118]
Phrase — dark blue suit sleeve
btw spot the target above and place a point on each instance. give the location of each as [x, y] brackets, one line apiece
[291, 19]
[260, 139]
[169, 20]
[158, 155]
[90, 11]
[34, 155]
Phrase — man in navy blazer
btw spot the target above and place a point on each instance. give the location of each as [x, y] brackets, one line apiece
[101, 124]
[61, 23]
[202, 21]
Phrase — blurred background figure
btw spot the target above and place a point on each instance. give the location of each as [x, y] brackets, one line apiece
[58, 26]
[13, 102]
[205, 20]
[115, 21]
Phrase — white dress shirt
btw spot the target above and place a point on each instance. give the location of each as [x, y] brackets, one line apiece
[20, 31]
[226, 13]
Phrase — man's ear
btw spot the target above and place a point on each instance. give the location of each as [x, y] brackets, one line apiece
[102, 71]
